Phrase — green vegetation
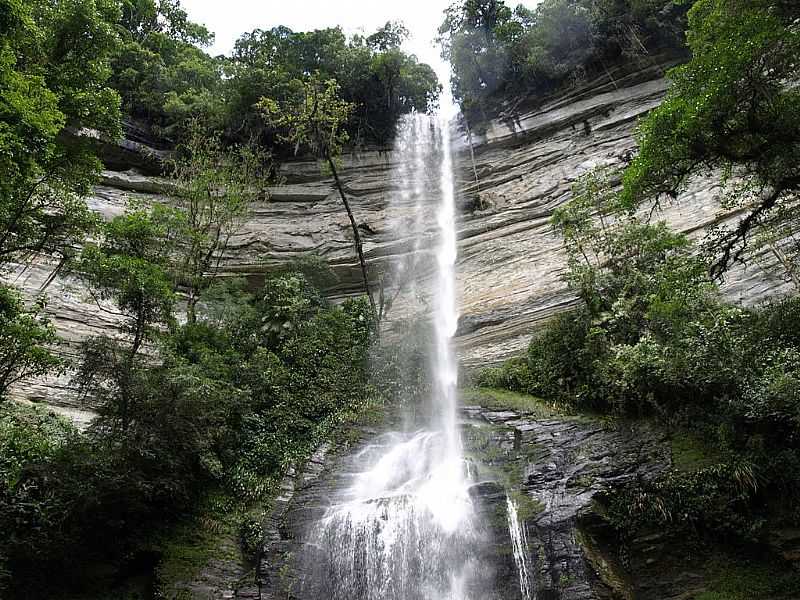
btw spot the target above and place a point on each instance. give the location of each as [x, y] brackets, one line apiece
[738, 580]
[499, 398]
[212, 406]
[26, 340]
[197, 420]
[167, 82]
[213, 187]
[54, 70]
[373, 75]
[497, 52]
[733, 107]
[652, 335]
[163, 77]
[690, 453]
[315, 121]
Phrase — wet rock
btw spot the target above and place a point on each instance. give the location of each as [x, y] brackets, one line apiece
[559, 467]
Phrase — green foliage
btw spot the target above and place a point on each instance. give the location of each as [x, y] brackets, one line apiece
[161, 74]
[251, 534]
[496, 51]
[129, 267]
[219, 405]
[721, 498]
[54, 67]
[514, 375]
[503, 399]
[401, 367]
[728, 108]
[374, 77]
[314, 120]
[28, 435]
[653, 336]
[288, 300]
[27, 339]
[213, 190]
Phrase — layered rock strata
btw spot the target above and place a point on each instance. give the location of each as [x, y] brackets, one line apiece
[510, 262]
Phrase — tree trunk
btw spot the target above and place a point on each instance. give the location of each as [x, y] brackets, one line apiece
[357, 236]
[191, 307]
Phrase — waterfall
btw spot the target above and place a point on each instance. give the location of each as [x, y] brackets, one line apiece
[519, 544]
[405, 528]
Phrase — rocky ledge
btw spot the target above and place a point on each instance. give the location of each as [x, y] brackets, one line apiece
[551, 468]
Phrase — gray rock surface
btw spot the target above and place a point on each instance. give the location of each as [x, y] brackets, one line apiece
[510, 262]
[552, 467]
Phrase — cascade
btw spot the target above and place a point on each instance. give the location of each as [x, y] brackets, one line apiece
[406, 526]
[519, 544]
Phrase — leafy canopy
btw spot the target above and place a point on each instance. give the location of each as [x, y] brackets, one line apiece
[54, 71]
[734, 106]
[497, 52]
[379, 80]
[315, 120]
[27, 340]
[213, 188]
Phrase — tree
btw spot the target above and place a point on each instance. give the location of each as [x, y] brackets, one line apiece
[496, 51]
[374, 75]
[315, 122]
[469, 42]
[54, 61]
[160, 70]
[26, 341]
[214, 189]
[733, 107]
[54, 67]
[388, 37]
[129, 267]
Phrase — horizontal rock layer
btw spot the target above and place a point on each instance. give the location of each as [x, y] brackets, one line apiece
[510, 262]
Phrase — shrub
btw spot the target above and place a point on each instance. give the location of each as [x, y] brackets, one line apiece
[514, 375]
[251, 536]
[26, 341]
[223, 406]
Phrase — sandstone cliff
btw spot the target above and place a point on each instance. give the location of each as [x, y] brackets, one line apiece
[510, 262]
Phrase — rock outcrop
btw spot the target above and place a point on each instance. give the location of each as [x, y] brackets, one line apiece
[552, 467]
[510, 262]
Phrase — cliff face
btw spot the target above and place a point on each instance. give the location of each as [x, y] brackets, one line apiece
[510, 262]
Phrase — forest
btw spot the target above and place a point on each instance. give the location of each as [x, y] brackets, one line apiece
[213, 387]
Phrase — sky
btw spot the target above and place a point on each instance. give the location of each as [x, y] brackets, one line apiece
[228, 19]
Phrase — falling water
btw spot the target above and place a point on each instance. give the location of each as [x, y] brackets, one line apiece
[519, 544]
[406, 529]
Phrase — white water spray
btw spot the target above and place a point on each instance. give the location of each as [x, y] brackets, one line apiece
[519, 545]
[406, 529]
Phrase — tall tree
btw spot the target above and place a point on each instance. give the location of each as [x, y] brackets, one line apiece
[54, 67]
[127, 267]
[734, 107]
[164, 77]
[214, 188]
[315, 122]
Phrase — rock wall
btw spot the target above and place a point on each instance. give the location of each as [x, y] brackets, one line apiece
[510, 262]
[552, 465]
